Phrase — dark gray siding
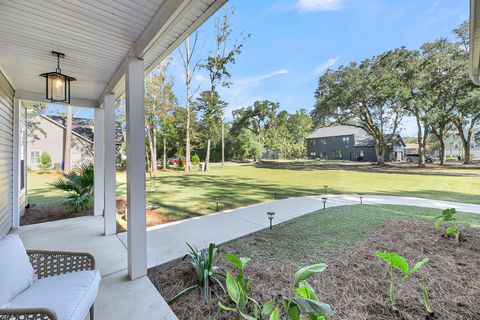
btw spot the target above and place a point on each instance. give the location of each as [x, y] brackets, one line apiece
[6, 154]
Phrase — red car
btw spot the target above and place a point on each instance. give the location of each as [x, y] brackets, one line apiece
[174, 160]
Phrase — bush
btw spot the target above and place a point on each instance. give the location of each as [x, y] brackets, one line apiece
[195, 160]
[181, 163]
[79, 185]
[45, 161]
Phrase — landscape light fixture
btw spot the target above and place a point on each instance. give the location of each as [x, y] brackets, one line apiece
[361, 197]
[217, 200]
[57, 84]
[325, 189]
[270, 215]
[324, 199]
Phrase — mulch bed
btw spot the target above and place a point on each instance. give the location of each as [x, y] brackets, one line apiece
[50, 212]
[356, 283]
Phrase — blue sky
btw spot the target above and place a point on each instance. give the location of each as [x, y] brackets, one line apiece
[293, 41]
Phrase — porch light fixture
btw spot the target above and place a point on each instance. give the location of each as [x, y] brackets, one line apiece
[270, 216]
[361, 197]
[324, 199]
[57, 84]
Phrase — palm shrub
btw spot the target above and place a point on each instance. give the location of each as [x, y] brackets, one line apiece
[79, 185]
[205, 270]
[195, 160]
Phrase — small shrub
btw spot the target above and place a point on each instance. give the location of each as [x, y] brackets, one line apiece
[181, 163]
[195, 160]
[45, 161]
[396, 261]
[448, 215]
[205, 271]
[79, 185]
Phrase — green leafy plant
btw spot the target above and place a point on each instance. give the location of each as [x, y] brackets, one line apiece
[302, 302]
[396, 261]
[45, 161]
[79, 185]
[448, 215]
[205, 271]
[181, 163]
[195, 160]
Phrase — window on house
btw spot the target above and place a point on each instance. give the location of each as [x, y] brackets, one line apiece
[362, 154]
[35, 156]
[337, 154]
[346, 140]
[323, 141]
[313, 142]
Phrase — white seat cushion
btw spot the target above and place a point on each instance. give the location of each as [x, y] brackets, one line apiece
[69, 295]
[16, 271]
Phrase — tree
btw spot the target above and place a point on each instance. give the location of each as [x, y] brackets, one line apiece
[45, 161]
[299, 125]
[368, 95]
[33, 110]
[159, 103]
[190, 70]
[258, 119]
[217, 66]
[67, 146]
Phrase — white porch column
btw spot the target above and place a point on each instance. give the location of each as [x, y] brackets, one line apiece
[16, 164]
[136, 201]
[110, 191]
[98, 169]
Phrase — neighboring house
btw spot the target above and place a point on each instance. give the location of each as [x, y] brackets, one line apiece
[454, 146]
[53, 142]
[339, 142]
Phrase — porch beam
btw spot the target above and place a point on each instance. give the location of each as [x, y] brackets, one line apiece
[16, 164]
[98, 163]
[40, 97]
[110, 191]
[136, 201]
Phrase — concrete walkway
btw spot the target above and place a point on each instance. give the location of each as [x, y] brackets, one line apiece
[119, 298]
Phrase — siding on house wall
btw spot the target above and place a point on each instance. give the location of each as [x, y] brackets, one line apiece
[6, 154]
[52, 143]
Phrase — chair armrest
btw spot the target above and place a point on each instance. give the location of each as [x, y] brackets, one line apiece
[28, 314]
[54, 263]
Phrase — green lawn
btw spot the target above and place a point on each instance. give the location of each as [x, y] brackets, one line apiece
[181, 195]
[333, 230]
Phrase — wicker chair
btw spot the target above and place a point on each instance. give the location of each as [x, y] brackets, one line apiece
[48, 264]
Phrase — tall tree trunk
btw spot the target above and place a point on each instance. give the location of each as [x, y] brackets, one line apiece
[380, 149]
[207, 156]
[443, 149]
[466, 140]
[67, 162]
[420, 141]
[187, 82]
[153, 151]
[223, 141]
[164, 154]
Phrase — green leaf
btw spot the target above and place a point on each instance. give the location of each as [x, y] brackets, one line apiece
[237, 262]
[306, 291]
[314, 308]
[306, 272]
[395, 260]
[256, 312]
[268, 307]
[291, 308]
[232, 288]
[416, 267]
[275, 315]
[224, 307]
[246, 316]
[450, 230]
[438, 222]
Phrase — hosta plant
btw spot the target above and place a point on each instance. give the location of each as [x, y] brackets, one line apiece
[205, 271]
[79, 185]
[396, 261]
[301, 304]
[448, 215]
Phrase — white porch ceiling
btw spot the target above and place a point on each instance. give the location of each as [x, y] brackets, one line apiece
[96, 37]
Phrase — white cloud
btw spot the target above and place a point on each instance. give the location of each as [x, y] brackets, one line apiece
[240, 86]
[200, 78]
[324, 66]
[318, 5]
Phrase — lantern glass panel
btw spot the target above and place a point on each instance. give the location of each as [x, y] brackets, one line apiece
[57, 87]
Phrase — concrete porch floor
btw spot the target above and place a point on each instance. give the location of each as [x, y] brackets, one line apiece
[120, 298]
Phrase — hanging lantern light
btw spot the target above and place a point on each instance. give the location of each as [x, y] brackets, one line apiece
[58, 84]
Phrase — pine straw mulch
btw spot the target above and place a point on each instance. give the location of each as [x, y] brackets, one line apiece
[356, 283]
[40, 213]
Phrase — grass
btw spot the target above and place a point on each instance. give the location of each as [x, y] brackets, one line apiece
[313, 237]
[182, 196]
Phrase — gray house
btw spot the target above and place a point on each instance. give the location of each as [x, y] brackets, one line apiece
[339, 142]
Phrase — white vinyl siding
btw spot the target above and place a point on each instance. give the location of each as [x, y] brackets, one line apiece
[6, 154]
